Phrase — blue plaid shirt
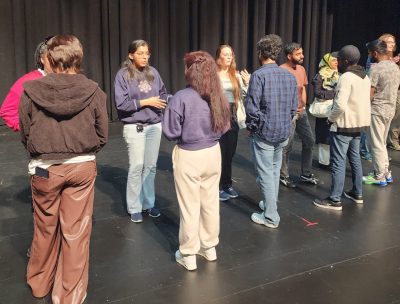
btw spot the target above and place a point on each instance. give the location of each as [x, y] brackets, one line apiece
[271, 103]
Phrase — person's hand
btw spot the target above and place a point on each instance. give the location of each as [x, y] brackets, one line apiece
[154, 102]
[245, 76]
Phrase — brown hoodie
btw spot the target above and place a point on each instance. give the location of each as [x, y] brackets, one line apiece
[63, 116]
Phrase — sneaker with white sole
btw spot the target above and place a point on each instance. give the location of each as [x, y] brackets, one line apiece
[357, 198]
[327, 203]
[389, 177]
[287, 181]
[153, 212]
[223, 196]
[137, 217]
[309, 178]
[187, 261]
[373, 179]
[209, 254]
[260, 219]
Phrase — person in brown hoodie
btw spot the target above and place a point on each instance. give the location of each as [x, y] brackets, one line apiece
[64, 123]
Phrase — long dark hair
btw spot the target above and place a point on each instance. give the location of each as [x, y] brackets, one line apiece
[131, 70]
[202, 75]
[231, 71]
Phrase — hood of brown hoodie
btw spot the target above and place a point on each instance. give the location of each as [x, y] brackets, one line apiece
[61, 94]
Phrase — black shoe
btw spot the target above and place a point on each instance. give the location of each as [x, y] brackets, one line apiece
[324, 167]
[309, 178]
[231, 192]
[287, 181]
[357, 198]
[327, 203]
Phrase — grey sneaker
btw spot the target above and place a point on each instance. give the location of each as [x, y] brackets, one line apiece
[260, 219]
[137, 217]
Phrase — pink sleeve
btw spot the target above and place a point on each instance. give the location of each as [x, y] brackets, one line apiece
[9, 110]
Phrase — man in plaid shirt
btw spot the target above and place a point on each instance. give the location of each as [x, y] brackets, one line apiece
[271, 104]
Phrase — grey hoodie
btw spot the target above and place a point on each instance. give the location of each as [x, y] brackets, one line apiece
[62, 116]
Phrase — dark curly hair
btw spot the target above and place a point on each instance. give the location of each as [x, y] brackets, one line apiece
[269, 47]
[291, 47]
[202, 75]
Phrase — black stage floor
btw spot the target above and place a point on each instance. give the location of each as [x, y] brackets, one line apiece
[351, 256]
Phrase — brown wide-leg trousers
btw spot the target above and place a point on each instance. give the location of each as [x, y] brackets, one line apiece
[63, 208]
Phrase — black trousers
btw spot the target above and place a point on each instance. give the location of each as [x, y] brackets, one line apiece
[228, 144]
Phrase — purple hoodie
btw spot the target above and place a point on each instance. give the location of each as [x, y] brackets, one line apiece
[187, 119]
[129, 93]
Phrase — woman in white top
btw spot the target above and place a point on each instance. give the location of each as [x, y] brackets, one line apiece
[234, 85]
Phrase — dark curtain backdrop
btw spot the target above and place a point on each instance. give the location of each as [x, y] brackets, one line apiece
[174, 27]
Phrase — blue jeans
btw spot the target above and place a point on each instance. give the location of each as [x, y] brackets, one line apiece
[268, 160]
[342, 146]
[364, 144]
[143, 150]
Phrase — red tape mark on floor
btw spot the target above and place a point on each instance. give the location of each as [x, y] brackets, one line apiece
[309, 223]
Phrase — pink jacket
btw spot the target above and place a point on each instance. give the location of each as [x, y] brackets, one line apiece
[9, 108]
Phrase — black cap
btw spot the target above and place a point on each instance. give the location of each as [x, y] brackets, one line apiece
[349, 53]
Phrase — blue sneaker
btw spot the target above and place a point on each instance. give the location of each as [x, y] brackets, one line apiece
[153, 212]
[389, 177]
[223, 196]
[137, 217]
[367, 156]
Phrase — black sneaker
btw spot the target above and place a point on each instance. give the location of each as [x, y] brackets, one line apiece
[231, 192]
[309, 178]
[327, 203]
[287, 181]
[357, 198]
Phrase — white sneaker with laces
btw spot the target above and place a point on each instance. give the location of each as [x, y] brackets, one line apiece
[209, 254]
[188, 261]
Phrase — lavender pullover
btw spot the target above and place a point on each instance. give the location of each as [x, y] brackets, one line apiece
[129, 93]
[187, 119]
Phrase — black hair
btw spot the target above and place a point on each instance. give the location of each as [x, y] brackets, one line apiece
[40, 50]
[378, 46]
[291, 47]
[269, 47]
[131, 71]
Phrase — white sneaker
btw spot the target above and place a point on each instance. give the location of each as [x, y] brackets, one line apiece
[259, 218]
[261, 205]
[209, 254]
[189, 261]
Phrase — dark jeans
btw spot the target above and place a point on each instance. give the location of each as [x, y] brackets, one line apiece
[228, 144]
[342, 146]
[302, 127]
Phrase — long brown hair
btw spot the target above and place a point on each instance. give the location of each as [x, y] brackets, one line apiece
[202, 75]
[231, 71]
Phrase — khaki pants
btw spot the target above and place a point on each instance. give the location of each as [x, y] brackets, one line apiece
[197, 175]
[63, 208]
[378, 133]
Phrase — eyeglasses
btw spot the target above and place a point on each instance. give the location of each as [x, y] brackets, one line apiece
[142, 54]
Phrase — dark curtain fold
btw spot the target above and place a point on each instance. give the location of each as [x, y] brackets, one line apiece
[174, 27]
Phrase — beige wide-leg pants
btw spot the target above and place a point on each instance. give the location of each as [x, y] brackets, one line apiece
[197, 175]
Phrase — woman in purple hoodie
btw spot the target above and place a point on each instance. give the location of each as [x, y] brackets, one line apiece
[140, 97]
[196, 117]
